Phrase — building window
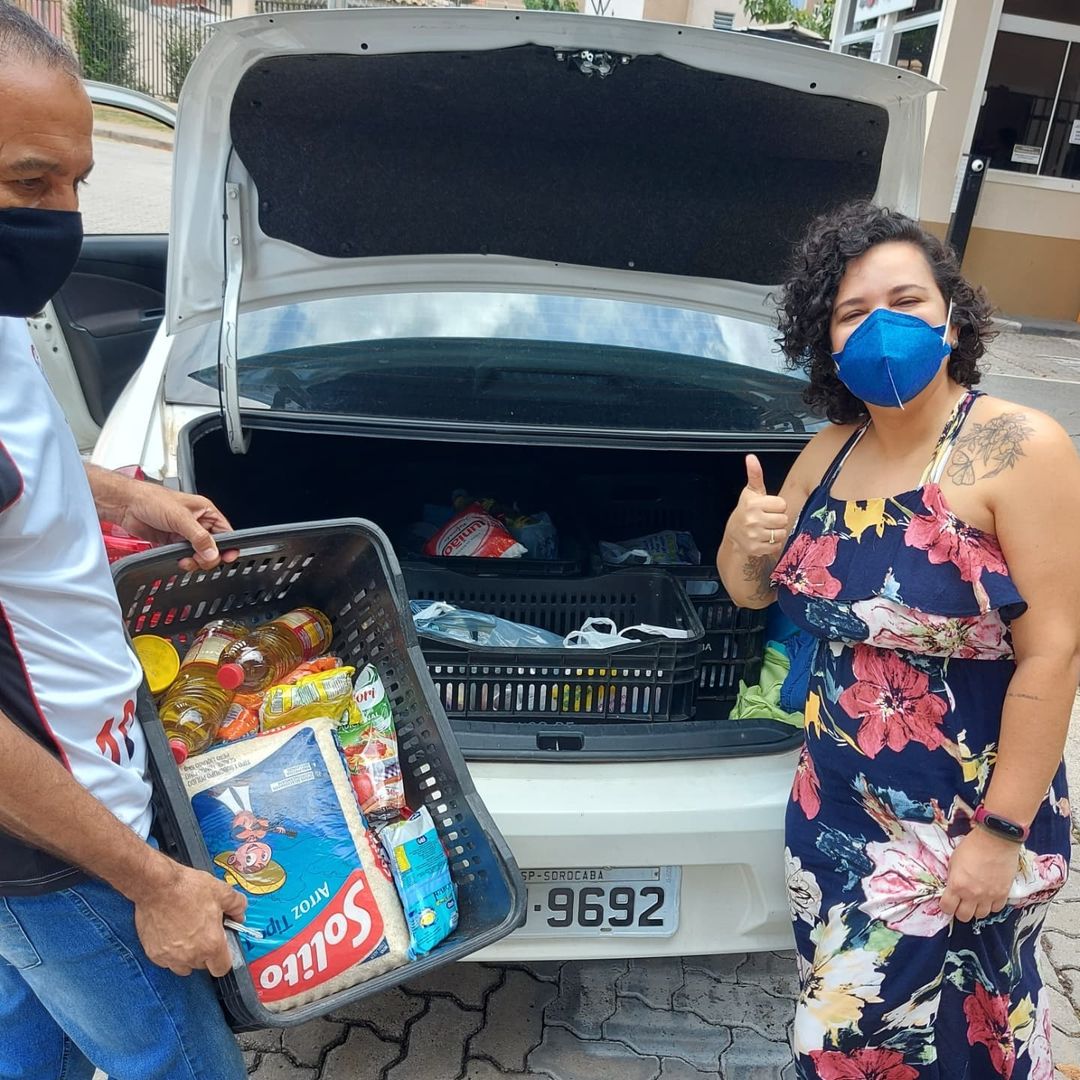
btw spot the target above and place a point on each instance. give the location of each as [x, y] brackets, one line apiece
[723, 20]
[903, 36]
[914, 48]
[859, 48]
[1030, 117]
[1066, 11]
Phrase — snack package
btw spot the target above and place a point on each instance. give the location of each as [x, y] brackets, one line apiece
[536, 532]
[667, 548]
[369, 746]
[326, 693]
[240, 721]
[475, 534]
[119, 543]
[422, 875]
[281, 825]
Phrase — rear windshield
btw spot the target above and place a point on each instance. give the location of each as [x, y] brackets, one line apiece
[509, 359]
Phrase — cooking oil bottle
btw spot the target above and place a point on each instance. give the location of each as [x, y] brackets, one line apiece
[268, 653]
[194, 706]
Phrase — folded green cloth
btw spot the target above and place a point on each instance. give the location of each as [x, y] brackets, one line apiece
[762, 702]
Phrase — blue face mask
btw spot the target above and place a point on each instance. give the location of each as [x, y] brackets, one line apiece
[892, 357]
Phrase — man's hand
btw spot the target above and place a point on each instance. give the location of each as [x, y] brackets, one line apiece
[161, 515]
[981, 872]
[179, 919]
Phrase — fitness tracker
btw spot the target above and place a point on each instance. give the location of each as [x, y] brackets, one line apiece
[1001, 826]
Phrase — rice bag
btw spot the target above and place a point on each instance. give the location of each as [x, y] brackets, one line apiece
[281, 824]
[369, 745]
[475, 534]
[667, 548]
[423, 880]
[326, 693]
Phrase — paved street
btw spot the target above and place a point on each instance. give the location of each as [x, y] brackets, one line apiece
[677, 1019]
[129, 189]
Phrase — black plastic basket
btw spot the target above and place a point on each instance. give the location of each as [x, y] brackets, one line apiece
[346, 569]
[648, 681]
[734, 637]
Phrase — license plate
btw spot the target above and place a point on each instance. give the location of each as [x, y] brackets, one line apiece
[597, 901]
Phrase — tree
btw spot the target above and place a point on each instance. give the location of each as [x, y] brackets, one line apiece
[784, 11]
[104, 42]
[767, 12]
[820, 19]
[551, 5]
[182, 45]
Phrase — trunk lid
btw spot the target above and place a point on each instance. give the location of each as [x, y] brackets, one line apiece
[335, 152]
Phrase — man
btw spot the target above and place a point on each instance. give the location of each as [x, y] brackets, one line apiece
[105, 944]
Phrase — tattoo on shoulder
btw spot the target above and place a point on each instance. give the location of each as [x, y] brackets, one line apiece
[988, 449]
[756, 570]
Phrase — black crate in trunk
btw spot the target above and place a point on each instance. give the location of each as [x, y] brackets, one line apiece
[652, 680]
[734, 637]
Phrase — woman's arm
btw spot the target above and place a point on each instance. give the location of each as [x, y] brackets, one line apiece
[746, 558]
[1037, 520]
[1036, 506]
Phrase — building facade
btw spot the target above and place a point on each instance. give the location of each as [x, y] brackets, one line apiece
[1011, 72]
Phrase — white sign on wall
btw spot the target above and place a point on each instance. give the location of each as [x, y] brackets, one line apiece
[871, 9]
[1074, 135]
[617, 9]
[1026, 155]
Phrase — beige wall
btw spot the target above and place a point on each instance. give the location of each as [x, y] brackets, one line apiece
[700, 12]
[1024, 246]
[965, 31]
[672, 11]
[1036, 276]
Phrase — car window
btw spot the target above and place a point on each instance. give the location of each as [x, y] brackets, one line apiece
[128, 191]
[503, 358]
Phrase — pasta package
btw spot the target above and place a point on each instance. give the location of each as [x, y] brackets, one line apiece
[281, 823]
[325, 693]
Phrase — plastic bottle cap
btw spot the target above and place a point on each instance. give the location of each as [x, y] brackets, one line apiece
[230, 676]
[179, 750]
[160, 661]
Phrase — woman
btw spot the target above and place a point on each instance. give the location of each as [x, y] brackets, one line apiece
[925, 538]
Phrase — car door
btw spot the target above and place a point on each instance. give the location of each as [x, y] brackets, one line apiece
[96, 331]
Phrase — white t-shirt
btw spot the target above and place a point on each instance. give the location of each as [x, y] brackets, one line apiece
[67, 676]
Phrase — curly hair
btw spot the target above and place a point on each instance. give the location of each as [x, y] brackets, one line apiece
[806, 301]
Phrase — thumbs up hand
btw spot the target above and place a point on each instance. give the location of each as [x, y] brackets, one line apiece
[759, 524]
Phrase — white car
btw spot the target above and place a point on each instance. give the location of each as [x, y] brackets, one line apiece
[419, 250]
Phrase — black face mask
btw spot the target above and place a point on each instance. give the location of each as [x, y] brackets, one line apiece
[38, 251]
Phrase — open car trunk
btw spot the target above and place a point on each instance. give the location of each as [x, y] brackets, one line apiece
[591, 494]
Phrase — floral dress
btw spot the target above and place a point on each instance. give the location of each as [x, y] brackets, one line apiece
[911, 609]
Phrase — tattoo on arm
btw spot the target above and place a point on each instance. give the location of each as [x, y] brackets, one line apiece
[756, 570]
[996, 446]
[1026, 697]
